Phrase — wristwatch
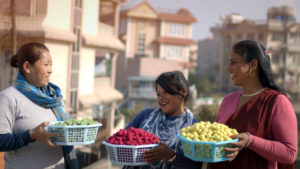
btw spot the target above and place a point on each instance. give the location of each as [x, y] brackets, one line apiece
[172, 158]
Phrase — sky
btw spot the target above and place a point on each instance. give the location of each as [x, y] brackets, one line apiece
[208, 12]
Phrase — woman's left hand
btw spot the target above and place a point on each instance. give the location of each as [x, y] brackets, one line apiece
[237, 146]
[162, 152]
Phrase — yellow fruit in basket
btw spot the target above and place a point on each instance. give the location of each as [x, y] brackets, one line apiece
[210, 132]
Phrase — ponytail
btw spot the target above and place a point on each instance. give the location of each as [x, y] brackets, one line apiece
[14, 61]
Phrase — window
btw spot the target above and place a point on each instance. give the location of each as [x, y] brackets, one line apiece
[239, 36]
[276, 36]
[103, 66]
[142, 25]
[176, 29]
[122, 27]
[250, 36]
[276, 59]
[141, 43]
[260, 36]
[295, 37]
[7, 57]
[295, 59]
[174, 52]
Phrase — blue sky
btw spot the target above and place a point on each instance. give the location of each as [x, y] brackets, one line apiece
[208, 12]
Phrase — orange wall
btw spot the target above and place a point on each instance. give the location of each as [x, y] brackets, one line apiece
[1, 160]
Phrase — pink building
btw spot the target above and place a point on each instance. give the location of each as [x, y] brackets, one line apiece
[155, 42]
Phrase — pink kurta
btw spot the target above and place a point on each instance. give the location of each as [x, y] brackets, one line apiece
[283, 146]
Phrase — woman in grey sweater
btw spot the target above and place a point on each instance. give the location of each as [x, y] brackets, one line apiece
[26, 108]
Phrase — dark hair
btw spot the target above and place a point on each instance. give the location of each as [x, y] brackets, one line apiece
[30, 52]
[250, 50]
[173, 82]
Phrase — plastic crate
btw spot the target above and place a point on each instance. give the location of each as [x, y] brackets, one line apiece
[127, 154]
[205, 151]
[73, 135]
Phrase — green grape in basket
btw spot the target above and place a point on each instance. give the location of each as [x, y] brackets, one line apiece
[74, 122]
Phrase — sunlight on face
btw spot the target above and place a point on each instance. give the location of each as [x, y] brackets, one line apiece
[41, 70]
[169, 104]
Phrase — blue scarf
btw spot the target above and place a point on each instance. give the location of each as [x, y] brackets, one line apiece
[48, 97]
[166, 128]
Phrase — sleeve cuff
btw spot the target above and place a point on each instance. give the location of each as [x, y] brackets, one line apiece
[27, 137]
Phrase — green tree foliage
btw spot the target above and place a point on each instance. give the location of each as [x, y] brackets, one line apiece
[203, 84]
[131, 113]
[206, 112]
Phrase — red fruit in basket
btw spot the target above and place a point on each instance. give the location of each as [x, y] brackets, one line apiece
[132, 136]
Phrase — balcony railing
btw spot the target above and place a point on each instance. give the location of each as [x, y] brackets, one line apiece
[142, 93]
[102, 81]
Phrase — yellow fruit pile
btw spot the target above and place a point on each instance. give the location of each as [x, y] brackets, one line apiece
[209, 132]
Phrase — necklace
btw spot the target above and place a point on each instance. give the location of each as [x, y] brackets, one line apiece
[253, 94]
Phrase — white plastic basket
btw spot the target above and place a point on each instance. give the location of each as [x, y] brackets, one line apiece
[127, 154]
[73, 135]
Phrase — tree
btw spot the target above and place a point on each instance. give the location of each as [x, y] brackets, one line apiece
[206, 112]
[131, 113]
[203, 84]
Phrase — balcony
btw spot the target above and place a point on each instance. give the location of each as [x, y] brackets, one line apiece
[102, 81]
[145, 66]
[293, 47]
[293, 68]
[142, 93]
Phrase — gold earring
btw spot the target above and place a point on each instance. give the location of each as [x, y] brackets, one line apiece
[251, 72]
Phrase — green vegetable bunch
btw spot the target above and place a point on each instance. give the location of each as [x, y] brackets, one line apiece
[74, 122]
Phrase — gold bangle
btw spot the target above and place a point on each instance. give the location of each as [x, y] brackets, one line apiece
[248, 140]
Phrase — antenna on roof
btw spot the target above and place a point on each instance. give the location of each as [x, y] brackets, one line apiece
[178, 4]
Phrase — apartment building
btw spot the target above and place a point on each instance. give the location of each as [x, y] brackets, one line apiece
[84, 51]
[280, 34]
[156, 41]
[209, 51]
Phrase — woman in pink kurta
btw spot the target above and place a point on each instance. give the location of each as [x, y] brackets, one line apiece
[262, 114]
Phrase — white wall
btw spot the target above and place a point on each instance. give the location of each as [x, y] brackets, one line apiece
[59, 52]
[87, 71]
[58, 14]
[90, 16]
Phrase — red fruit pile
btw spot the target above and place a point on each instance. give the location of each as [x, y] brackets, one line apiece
[132, 136]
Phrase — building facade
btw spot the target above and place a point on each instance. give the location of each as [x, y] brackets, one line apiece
[280, 34]
[209, 54]
[84, 51]
[155, 42]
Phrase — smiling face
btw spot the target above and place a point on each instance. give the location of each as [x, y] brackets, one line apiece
[39, 73]
[238, 69]
[172, 105]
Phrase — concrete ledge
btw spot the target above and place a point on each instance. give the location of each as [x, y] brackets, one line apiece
[103, 164]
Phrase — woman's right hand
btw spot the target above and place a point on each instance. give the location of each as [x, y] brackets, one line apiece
[39, 133]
